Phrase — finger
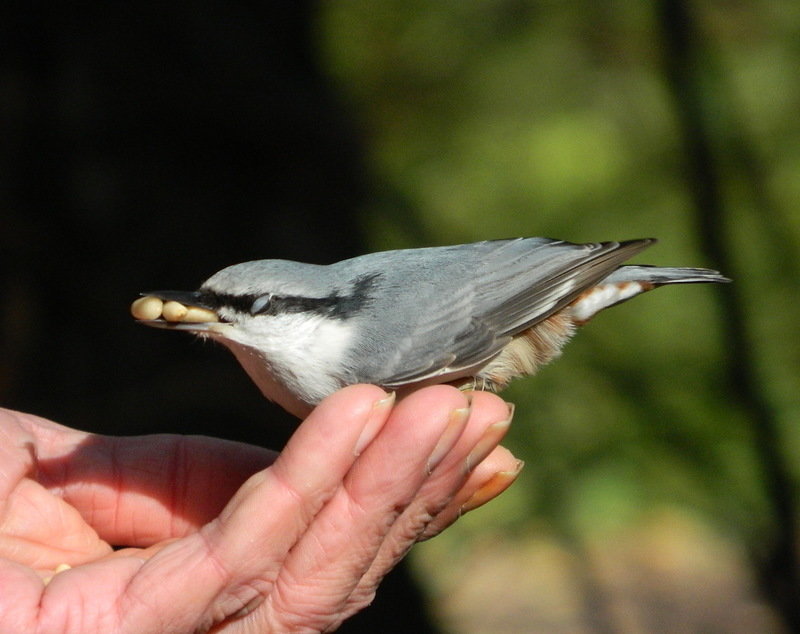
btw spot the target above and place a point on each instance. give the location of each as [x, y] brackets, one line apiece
[234, 560]
[140, 490]
[488, 480]
[341, 543]
[487, 425]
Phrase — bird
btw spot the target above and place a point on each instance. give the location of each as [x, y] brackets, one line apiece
[471, 315]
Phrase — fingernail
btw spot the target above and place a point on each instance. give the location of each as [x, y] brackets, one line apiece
[493, 487]
[455, 426]
[377, 417]
[490, 439]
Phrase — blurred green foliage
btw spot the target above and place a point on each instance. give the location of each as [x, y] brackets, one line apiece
[497, 118]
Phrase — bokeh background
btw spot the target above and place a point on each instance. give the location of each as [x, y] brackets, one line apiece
[148, 145]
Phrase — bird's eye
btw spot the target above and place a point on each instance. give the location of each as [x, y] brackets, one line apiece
[261, 305]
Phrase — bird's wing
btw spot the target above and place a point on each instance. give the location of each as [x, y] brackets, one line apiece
[491, 295]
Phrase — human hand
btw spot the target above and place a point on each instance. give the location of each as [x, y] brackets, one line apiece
[300, 546]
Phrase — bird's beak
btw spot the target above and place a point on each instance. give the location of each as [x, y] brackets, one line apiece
[177, 310]
[189, 298]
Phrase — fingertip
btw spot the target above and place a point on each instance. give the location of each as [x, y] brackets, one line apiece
[495, 408]
[445, 396]
[498, 471]
[375, 421]
[353, 400]
[491, 488]
[501, 459]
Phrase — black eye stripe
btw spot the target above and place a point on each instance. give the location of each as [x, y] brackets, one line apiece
[334, 305]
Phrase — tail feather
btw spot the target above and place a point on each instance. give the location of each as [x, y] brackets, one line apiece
[659, 275]
[630, 281]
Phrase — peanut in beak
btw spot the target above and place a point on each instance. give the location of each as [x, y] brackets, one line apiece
[150, 308]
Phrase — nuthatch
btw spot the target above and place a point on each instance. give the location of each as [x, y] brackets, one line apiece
[473, 315]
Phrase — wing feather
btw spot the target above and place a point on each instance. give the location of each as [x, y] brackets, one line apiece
[485, 296]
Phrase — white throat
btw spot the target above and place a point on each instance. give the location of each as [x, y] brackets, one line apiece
[306, 353]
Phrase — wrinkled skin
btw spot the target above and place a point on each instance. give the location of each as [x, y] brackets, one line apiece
[227, 537]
